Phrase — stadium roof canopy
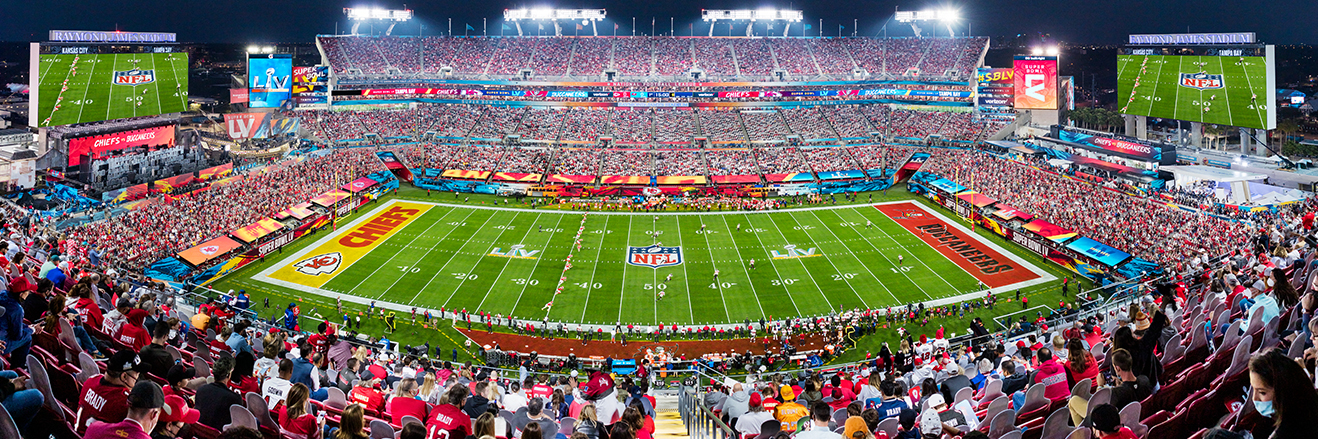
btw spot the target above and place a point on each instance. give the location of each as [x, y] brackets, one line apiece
[1193, 173]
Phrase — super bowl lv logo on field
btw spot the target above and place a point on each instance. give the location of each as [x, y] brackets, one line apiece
[134, 77]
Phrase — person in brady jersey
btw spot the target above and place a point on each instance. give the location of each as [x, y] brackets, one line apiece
[142, 410]
[104, 397]
[448, 420]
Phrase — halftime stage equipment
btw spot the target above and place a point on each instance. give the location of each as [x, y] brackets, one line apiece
[585, 16]
[393, 16]
[787, 16]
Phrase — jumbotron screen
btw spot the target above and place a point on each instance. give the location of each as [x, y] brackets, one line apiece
[1225, 90]
[93, 87]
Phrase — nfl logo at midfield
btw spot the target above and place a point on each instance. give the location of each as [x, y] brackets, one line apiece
[1201, 81]
[654, 256]
[134, 77]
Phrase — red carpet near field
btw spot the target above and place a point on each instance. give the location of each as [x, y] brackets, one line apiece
[635, 348]
[968, 252]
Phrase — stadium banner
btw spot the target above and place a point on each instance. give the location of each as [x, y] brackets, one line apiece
[1009, 212]
[465, 174]
[625, 180]
[989, 77]
[215, 171]
[1098, 251]
[269, 79]
[244, 125]
[681, 179]
[520, 177]
[1136, 268]
[1035, 80]
[991, 224]
[287, 125]
[947, 186]
[131, 193]
[1076, 265]
[794, 177]
[1142, 151]
[98, 146]
[317, 265]
[299, 211]
[359, 185]
[395, 165]
[237, 96]
[1049, 230]
[329, 199]
[171, 183]
[735, 179]
[842, 175]
[257, 230]
[208, 250]
[572, 179]
[976, 199]
[311, 81]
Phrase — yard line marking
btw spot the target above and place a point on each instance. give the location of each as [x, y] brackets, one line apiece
[885, 257]
[505, 263]
[862, 263]
[622, 289]
[422, 258]
[803, 267]
[391, 259]
[750, 283]
[775, 269]
[533, 268]
[590, 282]
[450, 259]
[687, 278]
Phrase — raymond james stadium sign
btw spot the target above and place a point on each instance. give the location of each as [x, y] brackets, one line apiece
[87, 36]
[1186, 39]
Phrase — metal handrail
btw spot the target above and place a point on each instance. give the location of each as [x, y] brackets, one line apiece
[701, 422]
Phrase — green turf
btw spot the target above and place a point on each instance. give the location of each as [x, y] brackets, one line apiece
[446, 337]
[91, 96]
[442, 260]
[1243, 100]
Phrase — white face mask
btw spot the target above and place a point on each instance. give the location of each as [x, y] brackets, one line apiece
[173, 333]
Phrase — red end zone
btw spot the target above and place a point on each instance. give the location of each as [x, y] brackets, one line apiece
[969, 252]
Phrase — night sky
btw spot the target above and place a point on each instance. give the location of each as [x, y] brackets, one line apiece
[1083, 22]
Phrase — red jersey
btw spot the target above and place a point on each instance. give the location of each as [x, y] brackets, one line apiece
[400, 407]
[319, 343]
[134, 336]
[218, 346]
[447, 421]
[541, 391]
[90, 313]
[304, 425]
[101, 401]
[370, 399]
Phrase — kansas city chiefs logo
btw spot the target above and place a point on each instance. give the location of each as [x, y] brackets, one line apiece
[1201, 81]
[134, 77]
[210, 250]
[319, 264]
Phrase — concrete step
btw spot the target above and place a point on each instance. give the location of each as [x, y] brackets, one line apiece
[667, 422]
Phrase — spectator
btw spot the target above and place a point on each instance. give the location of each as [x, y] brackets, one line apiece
[1081, 364]
[15, 336]
[789, 411]
[945, 413]
[955, 381]
[175, 416]
[820, 414]
[274, 390]
[156, 357]
[535, 415]
[477, 403]
[296, 417]
[533, 431]
[352, 425]
[448, 416]
[1291, 407]
[413, 430]
[633, 418]
[405, 402]
[986, 371]
[1105, 423]
[214, 399]
[856, 428]
[1146, 362]
[1011, 381]
[104, 398]
[21, 402]
[890, 404]
[141, 413]
[587, 424]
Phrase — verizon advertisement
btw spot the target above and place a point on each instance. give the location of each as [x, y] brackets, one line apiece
[1036, 82]
[99, 146]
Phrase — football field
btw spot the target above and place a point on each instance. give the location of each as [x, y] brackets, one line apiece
[1213, 89]
[95, 87]
[650, 268]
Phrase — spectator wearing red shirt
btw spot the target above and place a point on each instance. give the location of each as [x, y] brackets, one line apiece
[404, 402]
[367, 394]
[88, 311]
[1080, 363]
[132, 333]
[142, 411]
[295, 417]
[541, 390]
[217, 345]
[104, 398]
[448, 420]
[1051, 375]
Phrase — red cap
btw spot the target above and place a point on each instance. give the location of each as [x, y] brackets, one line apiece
[1020, 343]
[755, 400]
[599, 385]
[176, 410]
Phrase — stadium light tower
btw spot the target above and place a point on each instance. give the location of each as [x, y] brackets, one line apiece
[393, 16]
[585, 16]
[787, 16]
[946, 16]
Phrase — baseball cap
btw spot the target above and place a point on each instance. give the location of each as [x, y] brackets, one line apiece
[1105, 417]
[177, 410]
[124, 303]
[907, 418]
[929, 422]
[126, 360]
[935, 400]
[600, 384]
[769, 403]
[787, 394]
[146, 395]
[178, 372]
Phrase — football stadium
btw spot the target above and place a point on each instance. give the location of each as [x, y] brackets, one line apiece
[547, 227]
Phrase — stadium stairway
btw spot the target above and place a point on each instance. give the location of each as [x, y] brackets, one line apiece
[667, 421]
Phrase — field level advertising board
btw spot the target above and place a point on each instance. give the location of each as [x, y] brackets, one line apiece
[1224, 90]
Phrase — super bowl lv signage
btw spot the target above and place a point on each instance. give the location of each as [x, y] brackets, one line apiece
[1035, 80]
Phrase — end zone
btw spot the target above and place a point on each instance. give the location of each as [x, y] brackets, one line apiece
[991, 264]
[319, 263]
